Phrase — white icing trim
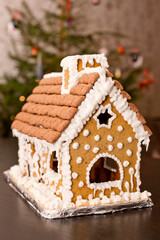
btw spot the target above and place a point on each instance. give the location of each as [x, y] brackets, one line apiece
[104, 185]
[127, 186]
[53, 74]
[70, 63]
[131, 172]
[102, 109]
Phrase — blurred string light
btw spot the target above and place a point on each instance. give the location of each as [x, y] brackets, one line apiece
[12, 117]
[21, 98]
[118, 73]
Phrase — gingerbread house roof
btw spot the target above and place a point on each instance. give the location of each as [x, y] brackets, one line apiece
[49, 114]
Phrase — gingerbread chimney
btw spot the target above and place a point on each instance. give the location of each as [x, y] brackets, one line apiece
[72, 65]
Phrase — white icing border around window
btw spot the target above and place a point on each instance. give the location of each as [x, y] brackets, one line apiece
[102, 109]
[105, 185]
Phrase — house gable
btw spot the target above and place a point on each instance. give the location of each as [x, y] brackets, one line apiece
[92, 142]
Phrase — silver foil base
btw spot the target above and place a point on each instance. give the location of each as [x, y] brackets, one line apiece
[77, 211]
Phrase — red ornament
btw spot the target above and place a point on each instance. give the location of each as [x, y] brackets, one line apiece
[16, 15]
[96, 2]
[120, 49]
[135, 50]
[34, 51]
[148, 79]
[68, 5]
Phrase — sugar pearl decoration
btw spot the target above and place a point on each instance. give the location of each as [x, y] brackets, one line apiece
[86, 132]
[96, 150]
[97, 138]
[109, 138]
[75, 145]
[74, 175]
[120, 145]
[79, 160]
[110, 148]
[120, 128]
[81, 184]
[129, 152]
[126, 163]
[87, 147]
[130, 139]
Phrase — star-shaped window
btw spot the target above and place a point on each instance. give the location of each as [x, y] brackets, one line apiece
[104, 116]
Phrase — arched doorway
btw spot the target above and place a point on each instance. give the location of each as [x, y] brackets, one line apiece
[104, 171]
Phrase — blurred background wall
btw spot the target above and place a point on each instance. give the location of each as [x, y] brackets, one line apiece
[138, 19]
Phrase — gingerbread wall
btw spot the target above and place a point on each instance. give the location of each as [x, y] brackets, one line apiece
[81, 158]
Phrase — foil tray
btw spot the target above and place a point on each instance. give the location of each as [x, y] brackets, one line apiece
[77, 211]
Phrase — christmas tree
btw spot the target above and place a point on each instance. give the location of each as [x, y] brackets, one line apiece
[43, 45]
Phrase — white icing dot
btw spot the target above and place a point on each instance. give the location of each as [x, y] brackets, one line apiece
[120, 145]
[97, 138]
[130, 139]
[75, 145]
[86, 132]
[74, 175]
[87, 147]
[129, 152]
[120, 128]
[110, 148]
[81, 184]
[126, 163]
[96, 149]
[79, 197]
[110, 138]
[79, 160]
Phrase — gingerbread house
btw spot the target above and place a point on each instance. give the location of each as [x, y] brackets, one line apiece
[80, 143]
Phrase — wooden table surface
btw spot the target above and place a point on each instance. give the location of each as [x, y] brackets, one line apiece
[19, 222]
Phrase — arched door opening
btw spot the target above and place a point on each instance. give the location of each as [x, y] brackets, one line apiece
[105, 169]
